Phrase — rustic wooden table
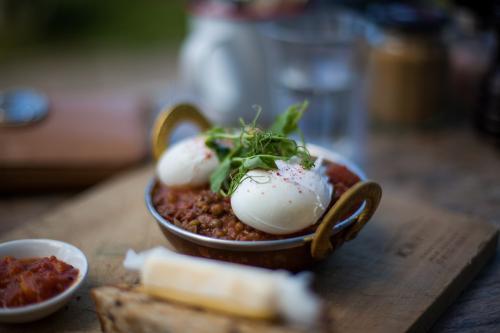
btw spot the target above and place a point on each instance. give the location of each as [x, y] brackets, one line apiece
[453, 169]
[456, 170]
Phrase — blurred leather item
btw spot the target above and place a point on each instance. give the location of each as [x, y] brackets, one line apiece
[84, 139]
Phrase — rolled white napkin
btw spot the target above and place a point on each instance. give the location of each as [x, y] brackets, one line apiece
[231, 288]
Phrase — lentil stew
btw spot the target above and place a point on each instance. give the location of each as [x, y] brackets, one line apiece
[206, 213]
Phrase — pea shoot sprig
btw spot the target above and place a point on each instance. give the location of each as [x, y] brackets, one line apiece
[251, 147]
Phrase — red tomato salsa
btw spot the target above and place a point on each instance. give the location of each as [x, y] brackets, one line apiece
[33, 280]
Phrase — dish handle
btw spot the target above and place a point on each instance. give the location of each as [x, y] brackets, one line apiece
[169, 119]
[366, 191]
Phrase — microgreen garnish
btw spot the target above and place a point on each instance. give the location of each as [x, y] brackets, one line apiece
[251, 147]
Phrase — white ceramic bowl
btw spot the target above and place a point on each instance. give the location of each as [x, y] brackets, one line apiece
[29, 248]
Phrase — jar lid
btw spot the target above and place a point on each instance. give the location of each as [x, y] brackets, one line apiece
[408, 18]
[19, 107]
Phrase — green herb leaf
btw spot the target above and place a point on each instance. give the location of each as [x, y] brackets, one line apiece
[251, 147]
[219, 175]
[288, 122]
[259, 162]
[220, 150]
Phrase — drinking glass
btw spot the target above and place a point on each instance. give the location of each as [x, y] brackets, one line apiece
[319, 57]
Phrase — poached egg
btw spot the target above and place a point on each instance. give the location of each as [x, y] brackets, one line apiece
[187, 163]
[282, 201]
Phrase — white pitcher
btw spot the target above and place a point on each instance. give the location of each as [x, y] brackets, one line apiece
[222, 63]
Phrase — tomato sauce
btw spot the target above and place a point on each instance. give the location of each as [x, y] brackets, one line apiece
[33, 280]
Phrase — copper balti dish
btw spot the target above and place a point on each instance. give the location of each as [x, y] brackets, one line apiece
[293, 253]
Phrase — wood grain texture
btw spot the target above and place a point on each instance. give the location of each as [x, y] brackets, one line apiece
[18, 210]
[398, 275]
[83, 140]
[457, 170]
[127, 311]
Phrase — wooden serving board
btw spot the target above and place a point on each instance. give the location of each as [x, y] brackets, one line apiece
[403, 270]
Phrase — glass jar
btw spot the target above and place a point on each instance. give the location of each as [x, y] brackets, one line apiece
[408, 71]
